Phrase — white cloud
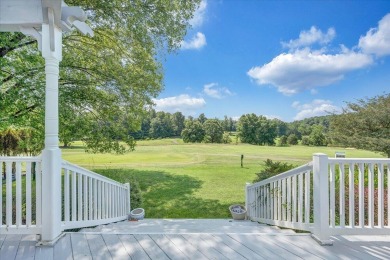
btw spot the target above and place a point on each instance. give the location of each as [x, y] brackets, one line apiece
[306, 69]
[307, 38]
[377, 40]
[212, 90]
[317, 107]
[196, 42]
[199, 15]
[183, 103]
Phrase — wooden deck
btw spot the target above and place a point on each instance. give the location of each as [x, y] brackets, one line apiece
[192, 239]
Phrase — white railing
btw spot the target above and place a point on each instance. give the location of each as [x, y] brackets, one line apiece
[90, 199]
[330, 196]
[20, 200]
[358, 197]
[283, 200]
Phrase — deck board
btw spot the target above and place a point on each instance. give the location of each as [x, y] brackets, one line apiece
[168, 247]
[63, 249]
[237, 246]
[44, 253]
[320, 251]
[285, 242]
[98, 247]
[26, 248]
[363, 249]
[188, 248]
[150, 247]
[203, 247]
[80, 246]
[265, 250]
[222, 247]
[133, 249]
[10, 246]
[115, 246]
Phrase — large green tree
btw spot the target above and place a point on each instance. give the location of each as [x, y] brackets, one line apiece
[107, 81]
[258, 130]
[214, 131]
[178, 123]
[193, 132]
[364, 124]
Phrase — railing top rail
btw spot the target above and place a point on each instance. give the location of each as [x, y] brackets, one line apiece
[295, 171]
[76, 168]
[358, 160]
[20, 158]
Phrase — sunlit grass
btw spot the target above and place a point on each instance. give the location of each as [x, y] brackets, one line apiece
[194, 180]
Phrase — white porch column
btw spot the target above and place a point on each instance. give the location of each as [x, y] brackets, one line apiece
[321, 231]
[51, 155]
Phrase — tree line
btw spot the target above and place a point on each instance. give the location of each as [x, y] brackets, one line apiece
[249, 128]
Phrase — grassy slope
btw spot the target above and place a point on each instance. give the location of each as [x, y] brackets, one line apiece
[194, 180]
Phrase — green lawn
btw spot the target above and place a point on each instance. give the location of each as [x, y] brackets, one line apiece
[194, 180]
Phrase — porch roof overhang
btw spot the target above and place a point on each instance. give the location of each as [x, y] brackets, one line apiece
[27, 15]
[15, 14]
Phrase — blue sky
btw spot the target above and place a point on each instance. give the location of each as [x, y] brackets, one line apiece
[281, 59]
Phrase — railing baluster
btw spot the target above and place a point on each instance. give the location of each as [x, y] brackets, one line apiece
[90, 216]
[262, 212]
[28, 194]
[294, 199]
[95, 199]
[300, 198]
[80, 196]
[256, 194]
[288, 199]
[107, 200]
[332, 182]
[66, 196]
[269, 205]
[115, 201]
[272, 201]
[18, 201]
[85, 197]
[307, 197]
[8, 180]
[284, 199]
[280, 200]
[351, 176]
[371, 195]
[100, 197]
[74, 196]
[342, 195]
[380, 196]
[361, 195]
[38, 192]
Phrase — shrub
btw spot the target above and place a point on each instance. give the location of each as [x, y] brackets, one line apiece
[282, 141]
[305, 140]
[226, 138]
[292, 139]
[271, 169]
[135, 194]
